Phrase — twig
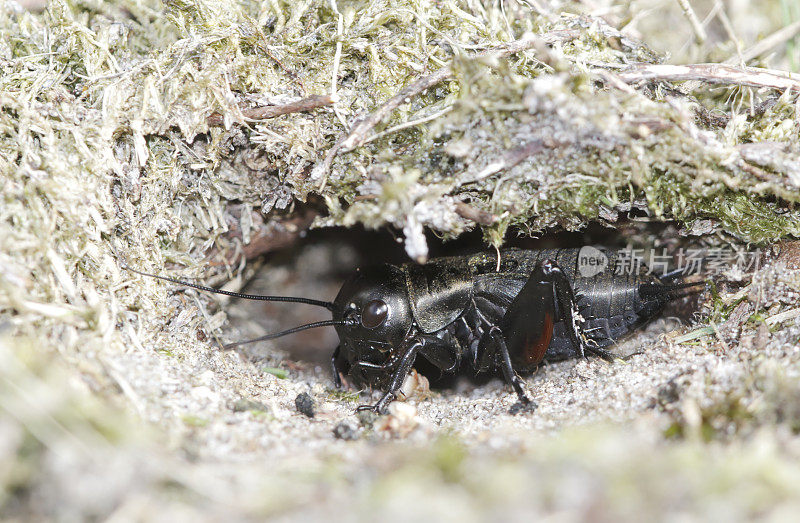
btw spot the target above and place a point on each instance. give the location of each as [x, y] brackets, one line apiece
[782, 316]
[478, 216]
[697, 27]
[267, 236]
[410, 123]
[695, 334]
[358, 133]
[337, 58]
[767, 44]
[615, 81]
[713, 74]
[728, 26]
[291, 73]
[726, 23]
[271, 111]
[710, 16]
[791, 11]
[513, 157]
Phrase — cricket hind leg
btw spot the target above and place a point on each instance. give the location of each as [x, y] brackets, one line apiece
[529, 322]
[494, 343]
[523, 335]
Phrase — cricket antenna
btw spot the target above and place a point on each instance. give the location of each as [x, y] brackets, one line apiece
[292, 299]
[274, 335]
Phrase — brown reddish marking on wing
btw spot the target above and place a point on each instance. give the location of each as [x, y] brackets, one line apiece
[534, 350]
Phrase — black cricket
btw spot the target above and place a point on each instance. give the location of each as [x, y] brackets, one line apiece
[509, 312]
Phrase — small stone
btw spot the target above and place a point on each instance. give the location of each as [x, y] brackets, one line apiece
[669, 393]
[401, 421]
[346, 431]
[522, 408]
[415, 386]
[305, 404]
[367, 418]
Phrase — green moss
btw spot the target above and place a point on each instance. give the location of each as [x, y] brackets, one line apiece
[720, 419]
[606, 152]
[449, 456]
[344, 395]
[281, 374]
[194, 421]
[757, 318]
[248, 405]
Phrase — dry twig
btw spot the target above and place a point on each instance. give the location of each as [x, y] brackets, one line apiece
[711, 73]
[267, 236]
[697, 27]
[769, 43]
[726, 23]
[478, 216]
[515, 156]
[271, 111]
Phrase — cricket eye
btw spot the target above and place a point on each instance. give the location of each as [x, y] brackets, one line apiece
[374, 314]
